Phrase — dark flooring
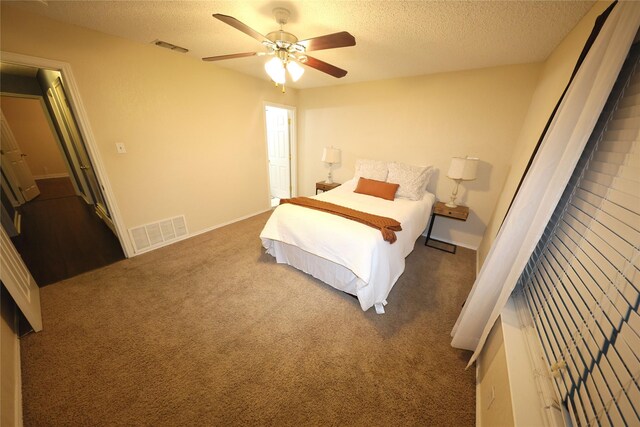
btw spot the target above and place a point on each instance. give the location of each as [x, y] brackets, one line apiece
[62, 236]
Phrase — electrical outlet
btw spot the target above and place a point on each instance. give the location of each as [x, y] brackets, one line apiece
[120, 148]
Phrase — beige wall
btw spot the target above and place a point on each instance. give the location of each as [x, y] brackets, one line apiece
[194, 132]
[555, 75]
[422, 120]
[34, 135]
[494, 405]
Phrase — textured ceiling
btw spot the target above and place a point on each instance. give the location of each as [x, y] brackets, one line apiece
[394, 38]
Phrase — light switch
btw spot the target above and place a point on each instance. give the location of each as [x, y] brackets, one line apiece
[120, 148]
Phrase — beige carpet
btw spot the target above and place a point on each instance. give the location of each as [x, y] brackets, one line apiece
[211, 331]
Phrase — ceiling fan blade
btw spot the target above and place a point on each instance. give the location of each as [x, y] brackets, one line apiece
[231, 56]
[230, 20]
[330, 41]
[325, 67]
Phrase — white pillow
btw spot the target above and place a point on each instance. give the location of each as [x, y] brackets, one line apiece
[371, 169]
[413, 180]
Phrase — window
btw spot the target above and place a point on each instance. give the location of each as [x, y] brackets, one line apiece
[582, 282]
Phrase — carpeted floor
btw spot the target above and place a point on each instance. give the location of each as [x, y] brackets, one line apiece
[211, 331]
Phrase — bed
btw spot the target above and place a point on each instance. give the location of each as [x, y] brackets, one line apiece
[345, 254]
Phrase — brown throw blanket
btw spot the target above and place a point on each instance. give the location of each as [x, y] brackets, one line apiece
[387, 226]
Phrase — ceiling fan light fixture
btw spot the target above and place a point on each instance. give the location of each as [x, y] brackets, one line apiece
[275, 69]
[289, 52]
[295, 70]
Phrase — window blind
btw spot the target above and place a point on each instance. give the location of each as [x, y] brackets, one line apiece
[582, 283]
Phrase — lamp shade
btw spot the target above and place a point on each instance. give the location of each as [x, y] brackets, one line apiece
[463, 168]
[295, 70]
[331, 155]
[275, 69]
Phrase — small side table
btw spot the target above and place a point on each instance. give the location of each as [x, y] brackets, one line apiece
[461, 213]
[323, 186]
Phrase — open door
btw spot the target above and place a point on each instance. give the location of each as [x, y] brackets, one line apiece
[16, 278]
[279, 151]
[74, 146]
[70, 147]
[15, 169]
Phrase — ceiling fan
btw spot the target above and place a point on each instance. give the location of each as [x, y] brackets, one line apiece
[288, 52]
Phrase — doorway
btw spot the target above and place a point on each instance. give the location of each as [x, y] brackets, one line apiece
[62, 226]
[281, 152]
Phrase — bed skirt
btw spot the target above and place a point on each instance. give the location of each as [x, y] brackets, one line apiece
[335, 275]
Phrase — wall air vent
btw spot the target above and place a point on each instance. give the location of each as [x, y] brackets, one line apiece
[170, 46]
[154, 235]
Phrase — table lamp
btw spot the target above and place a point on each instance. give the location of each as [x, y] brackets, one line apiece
[330, 155]
[461, 169]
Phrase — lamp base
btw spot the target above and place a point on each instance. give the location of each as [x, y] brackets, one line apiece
[454, 195]
[329, 179]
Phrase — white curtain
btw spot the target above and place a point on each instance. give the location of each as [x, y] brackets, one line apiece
[547, 177]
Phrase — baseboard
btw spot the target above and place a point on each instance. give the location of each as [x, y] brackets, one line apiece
[197, 233]
[242, 218]
[51, 175]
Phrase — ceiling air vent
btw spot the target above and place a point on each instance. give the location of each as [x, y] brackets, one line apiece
[151, 236]
[170, 46]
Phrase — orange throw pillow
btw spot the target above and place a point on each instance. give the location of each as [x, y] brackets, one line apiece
[371, 187]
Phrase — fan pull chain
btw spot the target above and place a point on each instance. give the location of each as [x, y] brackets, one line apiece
[283, 89]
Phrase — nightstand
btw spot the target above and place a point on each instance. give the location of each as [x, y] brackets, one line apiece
[323, 186]
[460, 213]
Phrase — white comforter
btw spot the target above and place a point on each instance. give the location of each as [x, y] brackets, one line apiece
[356, 246]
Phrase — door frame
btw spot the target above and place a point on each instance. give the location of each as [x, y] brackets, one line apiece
[293, 146]
[17, 279]
[47, 116]
[77, 107]
[56, 116]
[10, 184]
